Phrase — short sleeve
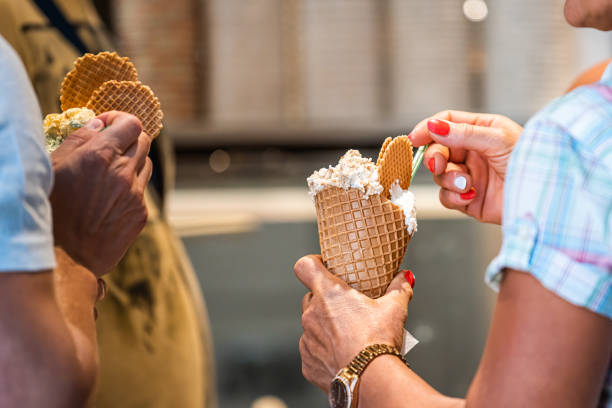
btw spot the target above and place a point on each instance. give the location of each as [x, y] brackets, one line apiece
[557, 221]
[26, 241]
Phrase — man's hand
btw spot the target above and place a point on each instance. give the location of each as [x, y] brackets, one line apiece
[101, 172]
[468, 159]
[339, 321]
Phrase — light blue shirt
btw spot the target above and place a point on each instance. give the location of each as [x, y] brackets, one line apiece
[26, 177]
[557, 218]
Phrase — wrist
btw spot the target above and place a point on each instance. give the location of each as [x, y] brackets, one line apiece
[76, 255]
[74, 273]
[374, 380]
[344, 388]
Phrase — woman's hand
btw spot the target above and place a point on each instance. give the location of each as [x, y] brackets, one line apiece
[468, 158]
[339, 321]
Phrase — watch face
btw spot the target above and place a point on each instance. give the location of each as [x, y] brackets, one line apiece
[338, 395]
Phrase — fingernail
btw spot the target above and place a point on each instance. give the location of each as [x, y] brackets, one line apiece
[439, 127]
[94, 124]
[432, 165]
[469, 195]
[460, 182]
[409, 277]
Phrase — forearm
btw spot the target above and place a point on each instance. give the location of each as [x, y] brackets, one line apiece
[76, 292]
[388, 382]
[38, 358]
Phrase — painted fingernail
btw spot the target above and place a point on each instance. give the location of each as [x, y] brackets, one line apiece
[469, 195]
[439, 127]
[460, 182]
[409, 276]
[432, 164]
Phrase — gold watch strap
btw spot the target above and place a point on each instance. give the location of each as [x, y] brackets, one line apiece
[365, 357]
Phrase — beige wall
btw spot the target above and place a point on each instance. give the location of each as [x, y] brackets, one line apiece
[160, 36]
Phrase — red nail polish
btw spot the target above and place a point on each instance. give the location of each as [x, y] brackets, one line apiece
[439, 127]
[432, 164]
[409, 277]
[469, 195]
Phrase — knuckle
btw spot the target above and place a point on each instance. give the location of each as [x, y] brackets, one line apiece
[133, 124]
[124, 183]
[143, 217]
[444, 113]
[306, 321]
[466, 131]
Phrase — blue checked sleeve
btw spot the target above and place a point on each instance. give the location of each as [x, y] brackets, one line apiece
[557, 219]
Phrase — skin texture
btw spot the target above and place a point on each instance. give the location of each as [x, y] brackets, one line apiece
[42, 373]
[533, 333]
[108, 171]
[589, 13]
[478, 148]
[48, 349]
[333, 304]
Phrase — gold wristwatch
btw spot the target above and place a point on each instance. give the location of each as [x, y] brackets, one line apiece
[343, 390]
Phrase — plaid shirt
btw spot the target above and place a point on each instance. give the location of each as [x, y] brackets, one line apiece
[557, 218]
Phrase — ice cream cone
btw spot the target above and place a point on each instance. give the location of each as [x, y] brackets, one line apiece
[363, 240]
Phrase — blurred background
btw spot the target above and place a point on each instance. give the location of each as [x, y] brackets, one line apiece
[259, 93]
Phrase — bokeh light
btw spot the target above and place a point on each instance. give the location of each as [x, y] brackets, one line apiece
[475, 10]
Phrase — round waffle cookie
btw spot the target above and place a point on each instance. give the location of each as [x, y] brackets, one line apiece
[395, 163]
[131, 97]
[383, 149]
[89, 72]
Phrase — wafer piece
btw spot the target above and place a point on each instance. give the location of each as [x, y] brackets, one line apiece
[89, 72]
[383, 149]
[130, 97]
[362, 240]
[396, 164]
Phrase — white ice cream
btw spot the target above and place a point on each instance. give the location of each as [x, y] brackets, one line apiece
[404, 199]
[352, 171]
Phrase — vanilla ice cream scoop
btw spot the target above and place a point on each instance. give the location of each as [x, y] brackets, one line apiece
[352, 171]
[355, 171]
[404, 199]
[57, 126]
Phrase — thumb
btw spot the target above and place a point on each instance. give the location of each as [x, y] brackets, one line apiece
[94, 124]
[401, 287]
[482, 139]
[79, 137]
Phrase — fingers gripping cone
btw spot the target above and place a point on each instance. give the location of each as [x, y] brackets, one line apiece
[363, 240]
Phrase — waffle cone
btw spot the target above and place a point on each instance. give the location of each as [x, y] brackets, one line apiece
[363, 241]
[131, 97]
[89, 72]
